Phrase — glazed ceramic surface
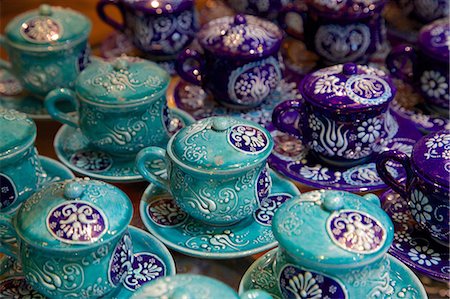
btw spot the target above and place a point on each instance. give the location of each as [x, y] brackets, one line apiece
[121, 104]
[74, 150]
[214, 168]
[425, 11]
[343, 115]
[268, 9]
[73, 242]
[338, 31]
[412, 244]
[47, 47]
[430, 70]
[164, 219]
[427, 184]
[241, 67]
[160, 28]
[21, 171]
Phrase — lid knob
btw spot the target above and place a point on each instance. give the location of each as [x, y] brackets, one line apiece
[350, 69]
[120, 64]
[239, 19]
[333, 201]
[220, 124]
[73, 190]
[181, 293]
[45, 10]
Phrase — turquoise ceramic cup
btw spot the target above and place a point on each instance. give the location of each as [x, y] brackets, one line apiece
[121, 105]
[20, 168]
[216, 168]
[47, 47]
[73, 239]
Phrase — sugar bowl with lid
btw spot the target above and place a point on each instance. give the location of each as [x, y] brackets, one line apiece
[47, 47]
[73, 238]
[216, 168]
[240, 62]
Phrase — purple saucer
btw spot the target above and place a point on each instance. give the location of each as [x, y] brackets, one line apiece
[412, 245]
[293, 160]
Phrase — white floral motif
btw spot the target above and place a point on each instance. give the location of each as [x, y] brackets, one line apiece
[402, 237]
[434, 84]
[314, 123]
[438, 141]
[17, 287]
[315, 173]
[369, 130]
[329, 84]
[248, 139]
[420, 207]
[424, 256]
[304, 286]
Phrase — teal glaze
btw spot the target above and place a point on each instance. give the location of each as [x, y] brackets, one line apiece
[213, 168]
[69, 233]
[48, 56]
[193, 286]
[121, 105]
[20, 168]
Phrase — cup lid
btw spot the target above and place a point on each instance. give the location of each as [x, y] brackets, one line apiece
[17, 131]
[345, 9]
[47, 26]
[240, 36]
[122, 81]
[220, 144]
[74, 215]
[159, 6]
[434, 39]
[431, 157]
[327, 228]
[348, 86]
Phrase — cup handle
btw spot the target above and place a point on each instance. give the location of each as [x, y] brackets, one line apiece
[150, 155]
[111, 22]
[282, 19]
[3, 63]
[8, 237]
[189, 73]
[278, 116]
[61, 95]
[399, 157]
[398, 59]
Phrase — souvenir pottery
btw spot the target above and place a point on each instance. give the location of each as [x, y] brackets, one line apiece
[71, 238]
[427, 186]
[175, 228]
[240, 65]
[193, 286]
[121, 105]
[332, 244]
[412, 245]
[342, 117]
[264, 9]
[338, 31]
[76, 152]
[430, 65]
[213, 168]
[424, 11]
[47, 47]
[159, 28]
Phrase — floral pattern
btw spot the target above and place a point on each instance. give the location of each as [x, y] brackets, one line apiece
[8, 192]
[248, 139]
[329, 84]
[368, 89]
[17, 287]
[121, 259]
[165, 212]
[146, 267]
[41, 30]
[420, 207]
[370, 130]
[424, 256]
[434, 84]
[263, 184]
[268, 207]
[92, 161]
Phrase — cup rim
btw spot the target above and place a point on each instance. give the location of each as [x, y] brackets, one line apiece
[419, 173]
[20, 148]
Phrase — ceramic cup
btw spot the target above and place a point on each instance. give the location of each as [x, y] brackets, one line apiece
[343, 115]
[216, 168]
[240, 61]
[424, 11]
[21, 170]
[337, 31]
[265, 9]
[121, 105]
[158, 28]
[430, 65]
[47, 48]
[427, 184]
[73, 239]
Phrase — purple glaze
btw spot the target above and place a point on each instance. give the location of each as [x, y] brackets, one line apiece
[239, 138]
[92, 161]
[121, 258]
[413, 245]
[8, 192]
[264, 9]
[165, 212]
[268, 206]
[434, 39]
[146, 267]
[346, 9]
[17, 287]
[159, 6]
[263, 185]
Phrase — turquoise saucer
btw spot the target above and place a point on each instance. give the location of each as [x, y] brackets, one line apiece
[164, 219]
[404, 283]
[54, 171]
[151, 261]
[75, 151]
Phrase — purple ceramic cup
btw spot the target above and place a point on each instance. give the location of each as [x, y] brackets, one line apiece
[427, 185]
[337, 31]
[343, 115]
[267, 9]
[160, 29]
[240, 63]
[430, 65]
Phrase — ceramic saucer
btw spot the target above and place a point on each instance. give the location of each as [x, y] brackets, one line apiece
[198, 103]
[292, 159]
[151, 260]
[75, 151]
[403, 283]
[163, 218]
[413, 245]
